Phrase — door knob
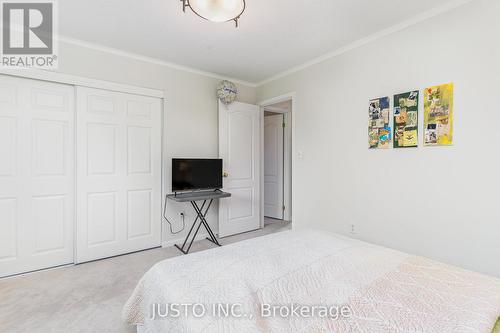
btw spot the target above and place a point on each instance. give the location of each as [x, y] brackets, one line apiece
[225, 174]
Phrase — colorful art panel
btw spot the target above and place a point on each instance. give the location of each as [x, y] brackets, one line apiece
[438, 115]
[406, 120]
[379, 130]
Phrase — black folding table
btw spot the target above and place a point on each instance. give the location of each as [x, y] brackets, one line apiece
[201, 213]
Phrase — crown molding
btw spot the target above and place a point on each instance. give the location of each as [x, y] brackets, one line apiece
[150, 60]
[371, 38]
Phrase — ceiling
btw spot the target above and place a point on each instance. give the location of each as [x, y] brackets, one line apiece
[273, 36]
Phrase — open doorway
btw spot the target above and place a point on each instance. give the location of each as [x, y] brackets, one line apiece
[277, 161]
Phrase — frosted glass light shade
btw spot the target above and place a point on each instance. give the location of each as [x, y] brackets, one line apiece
[218, 10]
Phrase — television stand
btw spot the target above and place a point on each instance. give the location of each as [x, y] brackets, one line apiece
[201, 213]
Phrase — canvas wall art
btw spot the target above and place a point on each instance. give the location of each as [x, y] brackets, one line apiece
[379, 130]
[406, 120]
[438, 115]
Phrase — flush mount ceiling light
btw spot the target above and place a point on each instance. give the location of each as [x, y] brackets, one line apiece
[216, 10]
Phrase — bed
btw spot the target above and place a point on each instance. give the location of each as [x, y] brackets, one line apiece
[382, 290]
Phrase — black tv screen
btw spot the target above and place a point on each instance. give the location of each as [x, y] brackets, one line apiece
[196, 174]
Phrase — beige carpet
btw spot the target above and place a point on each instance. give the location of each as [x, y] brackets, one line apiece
[89, 297]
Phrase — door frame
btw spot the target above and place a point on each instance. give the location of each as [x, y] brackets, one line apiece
[289, 153]
[76, 80]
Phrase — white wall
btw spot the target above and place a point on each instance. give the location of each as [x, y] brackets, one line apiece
[439, 202]
[191, 114]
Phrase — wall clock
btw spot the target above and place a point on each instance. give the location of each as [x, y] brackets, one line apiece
[227, 92]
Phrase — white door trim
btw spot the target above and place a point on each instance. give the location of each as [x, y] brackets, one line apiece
[81, 81]
[289, 159]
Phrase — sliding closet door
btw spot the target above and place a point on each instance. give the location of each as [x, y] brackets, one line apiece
[118, 173]
[36, 175]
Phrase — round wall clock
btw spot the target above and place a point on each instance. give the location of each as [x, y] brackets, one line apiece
[227, 92]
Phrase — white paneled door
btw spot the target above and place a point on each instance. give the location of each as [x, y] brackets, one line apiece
[36, 175]
[118, 173]
[239, 147]
[273, 166]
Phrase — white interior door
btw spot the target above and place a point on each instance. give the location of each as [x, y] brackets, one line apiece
[273, 166]
[36, 175]
[118, 173]
[239, 147]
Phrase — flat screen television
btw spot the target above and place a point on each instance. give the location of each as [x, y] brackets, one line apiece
[190, 174]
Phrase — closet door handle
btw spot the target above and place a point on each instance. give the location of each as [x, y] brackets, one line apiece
[225, 174]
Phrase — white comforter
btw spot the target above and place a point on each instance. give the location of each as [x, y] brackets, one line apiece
[384, 290]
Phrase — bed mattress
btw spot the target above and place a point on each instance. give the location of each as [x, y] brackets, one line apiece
[382, 290]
